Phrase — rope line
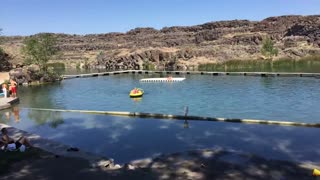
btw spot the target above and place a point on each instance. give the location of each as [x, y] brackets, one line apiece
[180, 117]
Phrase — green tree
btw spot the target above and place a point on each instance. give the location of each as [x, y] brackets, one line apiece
[268, 48]
[39, 49]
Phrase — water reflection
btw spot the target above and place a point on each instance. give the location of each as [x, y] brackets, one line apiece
[186, 124]
[43, 95]
[136, 100]
[54, 119]
[13, 113]
[267, 82]
[12, 116]
[125, 139]
[16, 114]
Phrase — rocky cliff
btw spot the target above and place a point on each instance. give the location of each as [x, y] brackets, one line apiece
[5, 64]
[182, 47]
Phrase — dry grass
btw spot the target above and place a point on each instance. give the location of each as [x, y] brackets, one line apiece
[231, 35]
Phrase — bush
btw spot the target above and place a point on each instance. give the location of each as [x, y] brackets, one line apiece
[38, 49]
[268, 48]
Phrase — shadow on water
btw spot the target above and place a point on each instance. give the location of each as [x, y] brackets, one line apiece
[126, 139]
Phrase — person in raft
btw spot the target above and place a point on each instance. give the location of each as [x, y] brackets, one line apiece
[13, 88]
[10, 144]
[135, 90]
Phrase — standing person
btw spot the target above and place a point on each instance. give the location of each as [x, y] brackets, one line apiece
[4, 90]
[13, 88]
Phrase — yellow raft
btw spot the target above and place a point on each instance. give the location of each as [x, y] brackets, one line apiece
[136, 92]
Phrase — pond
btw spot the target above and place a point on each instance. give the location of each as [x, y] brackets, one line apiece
[280, 98]
[127, 138]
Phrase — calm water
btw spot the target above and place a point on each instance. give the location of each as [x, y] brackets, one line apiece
[293, 99]
[125, 139]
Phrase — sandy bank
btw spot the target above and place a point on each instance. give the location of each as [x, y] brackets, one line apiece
[4, 76]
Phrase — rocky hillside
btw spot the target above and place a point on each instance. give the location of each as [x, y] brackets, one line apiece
[5, 64]
[182, 47]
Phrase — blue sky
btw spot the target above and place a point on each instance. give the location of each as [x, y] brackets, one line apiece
[26, 17]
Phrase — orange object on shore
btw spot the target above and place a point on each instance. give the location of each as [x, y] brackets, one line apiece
[316, 172]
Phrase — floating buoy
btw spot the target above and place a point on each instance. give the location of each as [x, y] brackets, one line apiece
[316, 172]
[168, 79]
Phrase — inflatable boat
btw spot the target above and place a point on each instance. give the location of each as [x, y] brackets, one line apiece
[136, 92]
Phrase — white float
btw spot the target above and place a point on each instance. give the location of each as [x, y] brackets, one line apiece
[168, 79]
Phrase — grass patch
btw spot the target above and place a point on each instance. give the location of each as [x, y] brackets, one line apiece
[8, 158]
[148, 66]
[57, 67]
[307, 64]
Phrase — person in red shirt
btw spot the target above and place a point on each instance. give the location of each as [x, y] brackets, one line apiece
[13, 88]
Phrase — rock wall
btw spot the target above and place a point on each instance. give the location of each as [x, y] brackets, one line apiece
[182, 46]
[5, 64]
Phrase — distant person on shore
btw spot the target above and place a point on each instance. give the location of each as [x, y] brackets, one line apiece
[10, 144]
[4, 90]
[13, 88]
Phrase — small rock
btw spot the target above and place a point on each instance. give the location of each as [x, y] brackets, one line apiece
[129, 167]
[106, 163]
[203, 166]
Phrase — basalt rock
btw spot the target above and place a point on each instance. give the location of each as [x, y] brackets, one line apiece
[5, 65]
[29, 74]
[181, 46]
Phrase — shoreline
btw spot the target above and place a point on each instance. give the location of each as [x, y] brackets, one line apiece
[212, 73]
[193, 164]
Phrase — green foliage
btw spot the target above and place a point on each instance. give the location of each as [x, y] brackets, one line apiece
[306, 64]
[148, 66]
[78, 65]
[50, 75]
[86, 64]
[39, 49]
[1, 51]
[57, 67]
[100, 56]
[268, 48]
